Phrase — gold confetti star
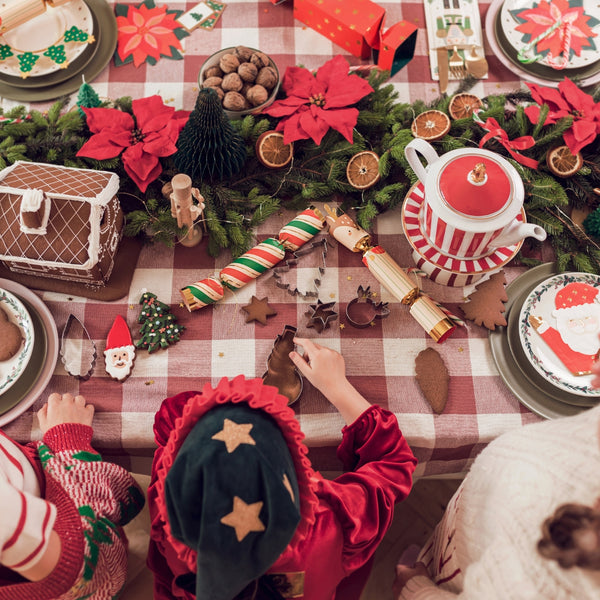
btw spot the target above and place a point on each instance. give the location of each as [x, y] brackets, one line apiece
[342, 326]
[234, 434]
[461, 349]
[149, 382]
[332, 295]
[181, 305]
[244, 518]
[349, 278]
[221, 354]
[131, 307]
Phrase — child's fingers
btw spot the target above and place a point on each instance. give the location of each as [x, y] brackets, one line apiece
[300, 362]
[307, 344]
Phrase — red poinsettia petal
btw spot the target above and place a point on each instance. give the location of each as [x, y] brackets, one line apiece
[151, 113]
[311, 122]
[292, 130]
[298, 81]
[98, 119]
[285, 107]
[342, 120]
[103, 145]
[141, 167]
[576, 97]
[132, 43]
[159, 144]
[348, 91]
[549, 96]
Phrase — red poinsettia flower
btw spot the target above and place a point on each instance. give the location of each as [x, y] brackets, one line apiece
[567, 101]
[146, 32]
[152, 134]
[546, 14]
[315, 103]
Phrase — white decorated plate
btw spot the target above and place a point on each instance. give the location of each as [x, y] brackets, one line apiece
[568, 305]
[11, 369]
[23, 48]
[522, 21]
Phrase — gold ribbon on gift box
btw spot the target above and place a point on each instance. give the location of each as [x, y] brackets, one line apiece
[17, 12]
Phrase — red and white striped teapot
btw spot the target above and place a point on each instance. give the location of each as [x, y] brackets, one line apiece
[473, 201]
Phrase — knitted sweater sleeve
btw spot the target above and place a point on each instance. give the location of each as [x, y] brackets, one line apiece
[104, 495]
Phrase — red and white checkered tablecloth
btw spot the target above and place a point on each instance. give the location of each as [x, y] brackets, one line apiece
[218, 343]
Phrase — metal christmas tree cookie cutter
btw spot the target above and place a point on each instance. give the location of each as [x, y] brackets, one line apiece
[72, 358]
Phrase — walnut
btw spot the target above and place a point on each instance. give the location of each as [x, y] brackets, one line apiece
[234, 101]
[257, 95]
[229, 63]
[248, 72]
[243, 53]
[260, 59]
[212, 82]
[245, 88]
[267, 77]
[213, 71]
[220, 92]
[232, 83]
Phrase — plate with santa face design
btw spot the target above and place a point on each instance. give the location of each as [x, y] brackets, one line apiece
[559, 325]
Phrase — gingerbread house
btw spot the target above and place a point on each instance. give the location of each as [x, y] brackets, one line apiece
[59, 222]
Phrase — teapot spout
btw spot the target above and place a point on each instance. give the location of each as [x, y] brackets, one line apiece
[517, 231]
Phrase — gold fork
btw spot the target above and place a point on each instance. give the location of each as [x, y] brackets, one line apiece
[456, 65]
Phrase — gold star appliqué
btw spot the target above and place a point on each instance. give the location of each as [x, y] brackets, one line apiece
[234, 434]
[244, 518]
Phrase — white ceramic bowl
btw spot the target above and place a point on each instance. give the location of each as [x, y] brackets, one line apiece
[11, 369]
[214, 60]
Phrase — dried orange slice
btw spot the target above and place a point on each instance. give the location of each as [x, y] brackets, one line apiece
[431, 125]
[462, 106]
[271, 151]
[562, 163]
[363, 170]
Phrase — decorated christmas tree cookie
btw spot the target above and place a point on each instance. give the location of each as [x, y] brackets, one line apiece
[159, 326]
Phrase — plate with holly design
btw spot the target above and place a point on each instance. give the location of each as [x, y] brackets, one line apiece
[49, 42]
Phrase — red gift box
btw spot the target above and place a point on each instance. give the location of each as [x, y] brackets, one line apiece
[395, 47]
[352, 24]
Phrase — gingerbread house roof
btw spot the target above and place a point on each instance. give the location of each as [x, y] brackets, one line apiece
[76, 201]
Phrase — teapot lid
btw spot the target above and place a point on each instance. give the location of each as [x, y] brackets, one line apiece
[475, 185]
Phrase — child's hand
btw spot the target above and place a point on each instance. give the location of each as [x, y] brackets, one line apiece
[326, 370]
[323, 367]
[64, 409]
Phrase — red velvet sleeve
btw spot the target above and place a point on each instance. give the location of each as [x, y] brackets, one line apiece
[363, 500]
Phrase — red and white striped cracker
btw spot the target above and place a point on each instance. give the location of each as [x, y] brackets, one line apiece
[252, 264]
[301, 229]
[202, 293]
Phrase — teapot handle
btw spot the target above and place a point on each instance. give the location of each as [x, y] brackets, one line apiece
[411, 151]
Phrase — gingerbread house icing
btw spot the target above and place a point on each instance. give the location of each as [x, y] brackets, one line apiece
[59, 222]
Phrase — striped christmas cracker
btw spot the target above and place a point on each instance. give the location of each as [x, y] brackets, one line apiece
[252, 264]
[202, 293]
[301, 228]
[14, 14]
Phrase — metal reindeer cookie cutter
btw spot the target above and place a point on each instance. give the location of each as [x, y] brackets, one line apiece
[362, 311]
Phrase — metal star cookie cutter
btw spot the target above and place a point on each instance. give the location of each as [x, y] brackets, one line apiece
[320, 315]
[73, 353]
[362, 310]
[292, 262]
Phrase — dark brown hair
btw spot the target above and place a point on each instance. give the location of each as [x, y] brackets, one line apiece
[562, 533]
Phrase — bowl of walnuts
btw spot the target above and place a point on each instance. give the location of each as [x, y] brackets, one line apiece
[245, 79]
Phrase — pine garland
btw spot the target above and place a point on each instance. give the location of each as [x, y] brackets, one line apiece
[234, 206]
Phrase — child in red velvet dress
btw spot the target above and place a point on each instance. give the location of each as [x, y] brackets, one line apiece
[62, 511]
[237, 510]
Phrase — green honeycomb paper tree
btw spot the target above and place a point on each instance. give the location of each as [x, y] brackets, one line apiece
[208, 146]
[159, 326]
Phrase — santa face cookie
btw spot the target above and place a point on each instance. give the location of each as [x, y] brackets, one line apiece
[119, 355]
